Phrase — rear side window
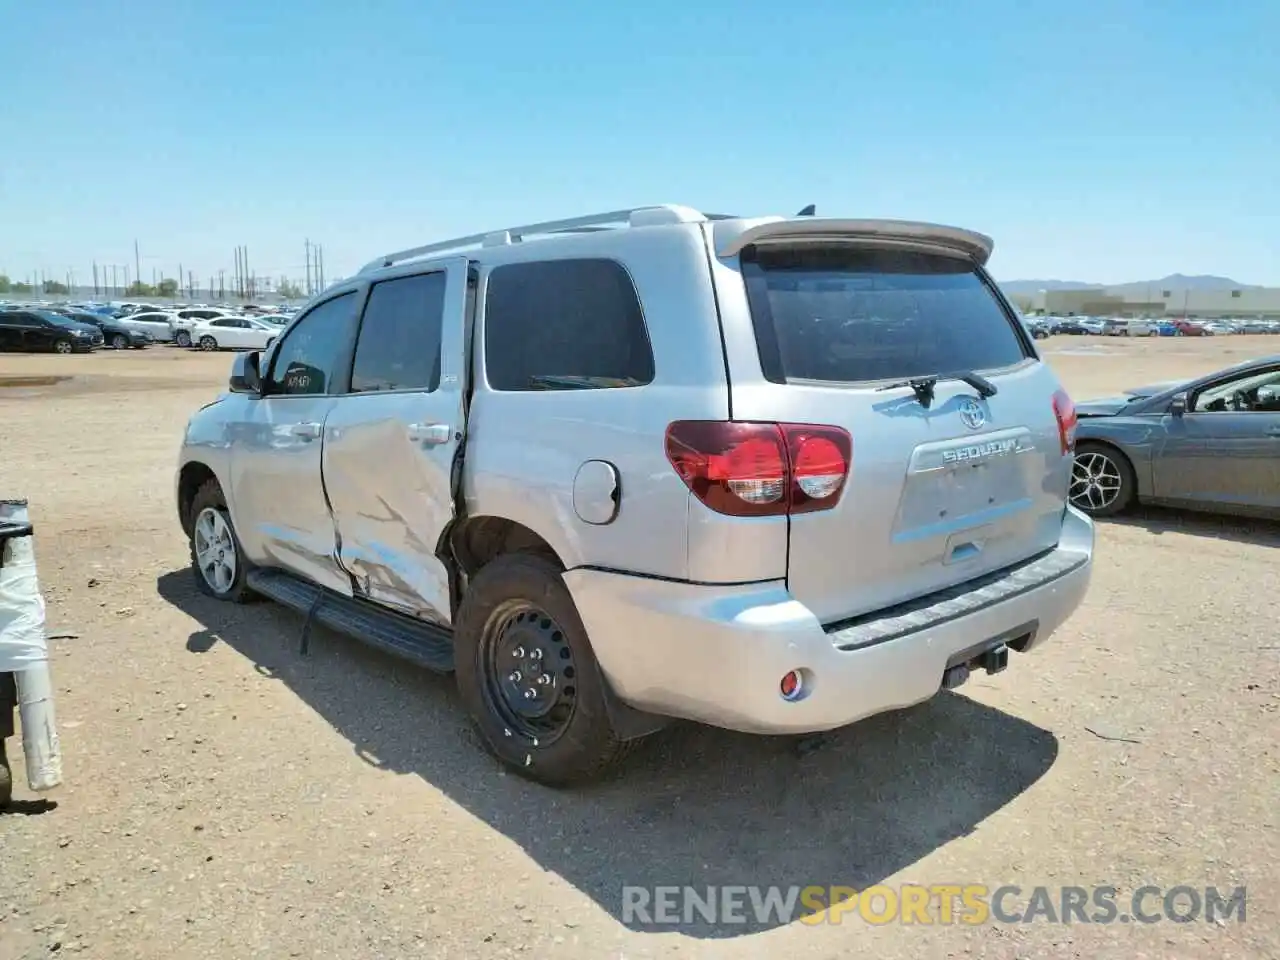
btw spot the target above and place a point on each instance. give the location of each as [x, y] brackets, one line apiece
[564, 325]
[848, 314]
[399, 345]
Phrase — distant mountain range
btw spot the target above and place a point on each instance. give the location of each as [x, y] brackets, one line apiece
[1176, 282]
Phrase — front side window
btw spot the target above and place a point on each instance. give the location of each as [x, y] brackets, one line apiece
[399, 343]
[1257, 392]
[565, 325]
[845, 314]
[308, 357]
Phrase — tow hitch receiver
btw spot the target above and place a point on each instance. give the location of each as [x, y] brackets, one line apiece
[995, 659]
[992, 661]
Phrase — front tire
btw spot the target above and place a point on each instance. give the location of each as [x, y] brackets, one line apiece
[1102, 480]
[528, 676]
[120, 342]
[64, 347]
[6, 775]
[217, 561]
[208, 344]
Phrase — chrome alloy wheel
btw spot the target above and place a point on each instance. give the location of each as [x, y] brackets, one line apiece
[215, 550]
[1095, 481]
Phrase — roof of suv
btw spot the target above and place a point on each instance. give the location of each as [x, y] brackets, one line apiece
[731, 234]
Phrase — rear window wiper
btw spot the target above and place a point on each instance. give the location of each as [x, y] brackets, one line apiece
[924, 386]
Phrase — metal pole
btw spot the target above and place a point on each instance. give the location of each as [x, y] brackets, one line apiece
[137, 263]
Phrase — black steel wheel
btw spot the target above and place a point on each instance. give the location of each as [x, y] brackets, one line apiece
[528, 672]
[528, 676]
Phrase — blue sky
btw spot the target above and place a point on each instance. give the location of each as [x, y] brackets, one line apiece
[1105, 141]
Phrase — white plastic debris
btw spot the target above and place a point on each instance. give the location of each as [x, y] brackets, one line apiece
[24, 650]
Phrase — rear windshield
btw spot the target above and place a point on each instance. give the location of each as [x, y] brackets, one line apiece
[848, 314]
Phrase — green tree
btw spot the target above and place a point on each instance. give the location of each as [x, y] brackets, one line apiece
[139, 289]
[290, 291]
[53, 286]
[167, 288]
[5, 284]
[21, 287]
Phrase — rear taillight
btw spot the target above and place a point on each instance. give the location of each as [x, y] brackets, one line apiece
[761, 469]
[1064, 411]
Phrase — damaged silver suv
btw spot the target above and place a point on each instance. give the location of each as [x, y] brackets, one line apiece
[773, 474]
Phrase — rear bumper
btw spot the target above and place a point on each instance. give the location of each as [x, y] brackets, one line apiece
[716, 654]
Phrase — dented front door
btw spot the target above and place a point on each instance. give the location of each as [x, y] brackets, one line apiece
[390, 441]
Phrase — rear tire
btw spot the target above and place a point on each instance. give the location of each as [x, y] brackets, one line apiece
[120, 342]
[514, 606]
[1102, 480]
[182, 338]
[217, 560]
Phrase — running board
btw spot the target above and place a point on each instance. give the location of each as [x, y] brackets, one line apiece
[417, 641]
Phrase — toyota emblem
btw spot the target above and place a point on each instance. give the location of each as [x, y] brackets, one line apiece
[971, 414]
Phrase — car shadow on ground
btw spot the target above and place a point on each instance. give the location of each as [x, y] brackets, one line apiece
[693, 806]
[1161, 520]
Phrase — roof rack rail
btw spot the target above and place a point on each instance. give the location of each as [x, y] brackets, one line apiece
[635, 217]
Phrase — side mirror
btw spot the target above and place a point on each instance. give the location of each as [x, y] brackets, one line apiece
[245, 377]
[1178, 405]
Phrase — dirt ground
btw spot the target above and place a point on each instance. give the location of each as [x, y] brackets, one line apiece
[228, 797]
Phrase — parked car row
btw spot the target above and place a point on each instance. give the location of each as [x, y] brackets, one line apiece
[1121, 327]
[81, 327]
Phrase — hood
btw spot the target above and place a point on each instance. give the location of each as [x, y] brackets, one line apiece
[1104, 407]
[1154, 388]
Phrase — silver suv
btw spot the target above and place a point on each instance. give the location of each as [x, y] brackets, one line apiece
[772, 474]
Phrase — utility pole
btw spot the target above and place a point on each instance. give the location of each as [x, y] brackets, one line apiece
[137, 263]
[248, 275]
[320, 255]
[95, 279]
[307, 246]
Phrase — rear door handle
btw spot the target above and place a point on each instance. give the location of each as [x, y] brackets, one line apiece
[306, 430]
[432, 434]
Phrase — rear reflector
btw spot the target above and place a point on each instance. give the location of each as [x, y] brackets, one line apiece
[1064, 411]
[760, 469]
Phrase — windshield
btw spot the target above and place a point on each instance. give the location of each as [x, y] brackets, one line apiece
[849, 314]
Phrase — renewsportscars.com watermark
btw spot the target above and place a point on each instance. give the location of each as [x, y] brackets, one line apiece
[938, 904]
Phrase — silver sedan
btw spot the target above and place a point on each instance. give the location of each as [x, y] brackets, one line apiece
[1207, 444]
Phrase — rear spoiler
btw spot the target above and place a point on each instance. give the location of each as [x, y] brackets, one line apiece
[731, 237]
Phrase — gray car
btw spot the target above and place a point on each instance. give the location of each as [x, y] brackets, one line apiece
[773, 474]
[1207, 444]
